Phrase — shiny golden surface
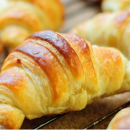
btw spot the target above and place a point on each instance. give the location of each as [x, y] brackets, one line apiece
[63, 73]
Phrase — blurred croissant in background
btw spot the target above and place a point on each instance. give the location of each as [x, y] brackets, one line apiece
[115, 5]
[107, 29]
[20, 18]
[121, 120]
[112, 5]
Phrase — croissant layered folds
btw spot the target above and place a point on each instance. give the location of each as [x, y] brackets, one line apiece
[20, 18]
[58, 73]
[115, 5]
[107, 29]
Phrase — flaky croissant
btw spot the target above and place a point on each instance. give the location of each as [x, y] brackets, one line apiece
[20, 18]
[115, 5]
[107, 29]
[58, 73]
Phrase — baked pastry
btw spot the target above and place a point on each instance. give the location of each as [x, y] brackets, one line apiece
[107, 29]
[58, 73]
[110, 29]
[115, 5]
[20, 18]
[121, 120]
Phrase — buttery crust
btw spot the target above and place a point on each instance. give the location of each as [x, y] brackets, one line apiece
[58, 73]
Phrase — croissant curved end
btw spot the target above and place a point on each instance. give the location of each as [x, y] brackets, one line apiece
[10, 117]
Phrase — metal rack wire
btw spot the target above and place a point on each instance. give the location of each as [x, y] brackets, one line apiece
[49, 121]
[90, 125]
[108, 115]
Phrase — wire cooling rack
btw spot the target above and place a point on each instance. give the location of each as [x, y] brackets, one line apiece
[90, 125]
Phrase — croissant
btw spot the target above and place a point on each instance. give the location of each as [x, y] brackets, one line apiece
[121, 120]
[20, 18]
[107, 29]
[115, 5]
[58, 73]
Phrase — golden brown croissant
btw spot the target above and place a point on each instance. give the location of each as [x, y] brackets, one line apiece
[107, 29]
[110, 29]
[115, 5]
[20, 18]
[58, 73]
[121, 120]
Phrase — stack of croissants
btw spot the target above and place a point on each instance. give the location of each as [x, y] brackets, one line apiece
[61, 72]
